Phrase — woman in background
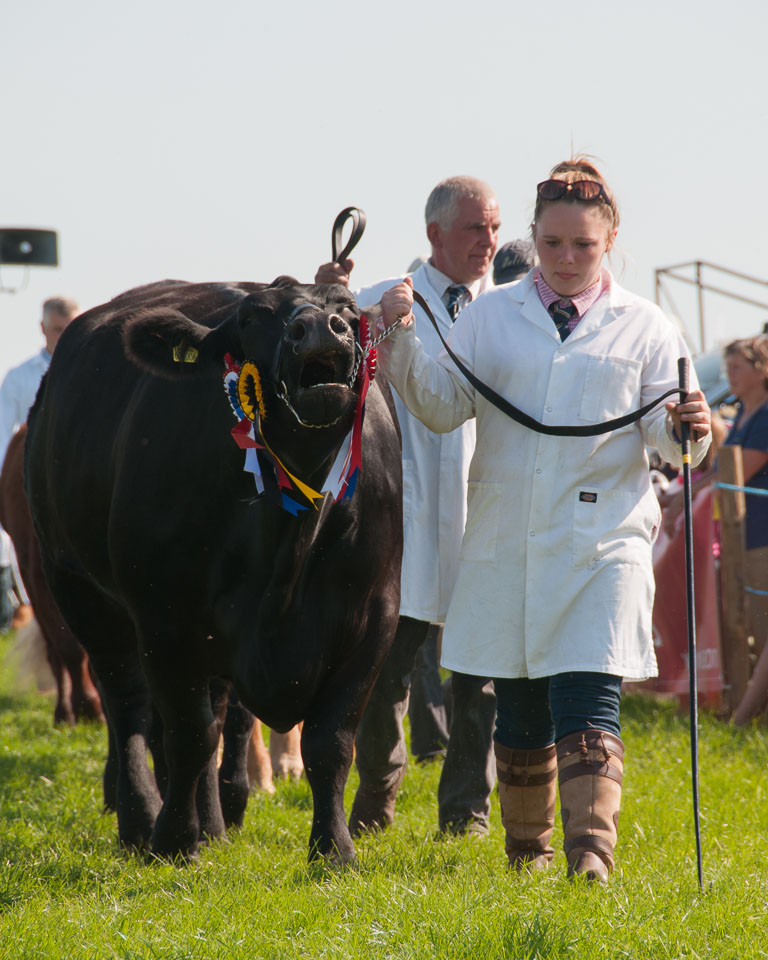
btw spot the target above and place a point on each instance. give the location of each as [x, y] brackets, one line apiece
[746, 363]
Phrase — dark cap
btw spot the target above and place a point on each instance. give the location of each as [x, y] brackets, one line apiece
[512, 260]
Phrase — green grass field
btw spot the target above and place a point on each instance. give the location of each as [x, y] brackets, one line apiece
[67, 890]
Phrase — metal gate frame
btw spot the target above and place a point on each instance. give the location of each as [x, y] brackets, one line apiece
[670, 273]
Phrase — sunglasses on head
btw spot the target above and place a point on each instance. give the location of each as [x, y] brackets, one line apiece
[580, 189]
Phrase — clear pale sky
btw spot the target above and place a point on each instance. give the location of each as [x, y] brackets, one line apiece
[217, 141]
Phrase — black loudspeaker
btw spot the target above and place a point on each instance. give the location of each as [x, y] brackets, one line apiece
[37, 248]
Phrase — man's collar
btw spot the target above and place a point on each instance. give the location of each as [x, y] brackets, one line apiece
[441, 282]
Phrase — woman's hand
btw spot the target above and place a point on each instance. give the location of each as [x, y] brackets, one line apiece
[397, 303]
[695, 411]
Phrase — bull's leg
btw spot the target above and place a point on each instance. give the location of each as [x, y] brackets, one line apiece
[234, 783]
[285, 753]
[190, 739]
[111, 771]
[155, 744]
[81, 696]
[86, 703]
[112, 764]
[209, 810]
[138, 799]
[259, 762]
[108, 636]
[327, 746]
[63, 711]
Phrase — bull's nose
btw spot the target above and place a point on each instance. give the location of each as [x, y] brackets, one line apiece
[298, 329]
[295, 331]
[339, 325]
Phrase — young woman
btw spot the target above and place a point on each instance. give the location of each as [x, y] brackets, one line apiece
[555, 588]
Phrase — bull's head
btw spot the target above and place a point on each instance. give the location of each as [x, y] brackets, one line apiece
[302, 340]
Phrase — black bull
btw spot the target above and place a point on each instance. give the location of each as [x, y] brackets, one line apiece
[178, 578]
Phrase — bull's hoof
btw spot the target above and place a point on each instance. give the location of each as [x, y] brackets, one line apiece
[233, 795]
[372, 811]
[89, 710]
[174, 839]
[181, 859]
[133, 842]
[63, 715]
[135, 834]
[332, 858]
[172, 854]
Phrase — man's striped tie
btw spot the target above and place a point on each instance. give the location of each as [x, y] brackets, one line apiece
[455, 299]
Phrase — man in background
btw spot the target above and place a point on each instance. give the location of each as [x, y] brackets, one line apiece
[462, 222]
[512, 261]
[17, 394]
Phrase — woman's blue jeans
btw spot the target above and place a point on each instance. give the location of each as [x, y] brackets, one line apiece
[531, 714]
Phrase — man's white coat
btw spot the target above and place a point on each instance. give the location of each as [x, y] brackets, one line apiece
[435, 469]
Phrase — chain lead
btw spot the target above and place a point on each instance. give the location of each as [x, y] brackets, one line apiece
[362, 355]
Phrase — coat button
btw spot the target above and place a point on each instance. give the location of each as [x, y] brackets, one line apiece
[533, 533]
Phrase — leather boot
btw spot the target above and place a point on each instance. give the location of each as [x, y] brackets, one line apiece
[590, 764]
[527, 793]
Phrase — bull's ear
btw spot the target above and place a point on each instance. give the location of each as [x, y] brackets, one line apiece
[170, 345]
[284, 281]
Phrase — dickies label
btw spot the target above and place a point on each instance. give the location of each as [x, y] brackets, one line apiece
[587, 496]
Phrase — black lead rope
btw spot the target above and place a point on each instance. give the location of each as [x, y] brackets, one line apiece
[524, 419]
[356, 215]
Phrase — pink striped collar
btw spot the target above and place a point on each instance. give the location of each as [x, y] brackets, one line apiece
[582, 301]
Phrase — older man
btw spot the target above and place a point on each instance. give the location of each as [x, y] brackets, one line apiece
[19, 388]
[462, 220]
[17, 394]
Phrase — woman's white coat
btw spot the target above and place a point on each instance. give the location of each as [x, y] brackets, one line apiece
[555, 570]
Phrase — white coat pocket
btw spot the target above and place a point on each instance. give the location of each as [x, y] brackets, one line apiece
[611, 388]
[613, 526]
[483, 516]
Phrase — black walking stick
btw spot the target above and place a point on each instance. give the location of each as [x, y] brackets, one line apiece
[685, 429]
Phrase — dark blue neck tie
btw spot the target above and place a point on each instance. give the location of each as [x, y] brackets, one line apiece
[455, 298]
[563, 311]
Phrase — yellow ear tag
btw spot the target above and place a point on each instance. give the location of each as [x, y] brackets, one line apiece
[182, 353]
[249, 391]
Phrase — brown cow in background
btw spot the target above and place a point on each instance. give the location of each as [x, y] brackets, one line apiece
[76, 696]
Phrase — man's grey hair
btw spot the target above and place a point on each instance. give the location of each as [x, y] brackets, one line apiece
[443, 203]
[62, 305]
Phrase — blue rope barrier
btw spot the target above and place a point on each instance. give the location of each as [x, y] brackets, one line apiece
[757, 491]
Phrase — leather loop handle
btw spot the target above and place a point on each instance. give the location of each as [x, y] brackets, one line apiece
[356, 215]
[683, 374]
[523, 419]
